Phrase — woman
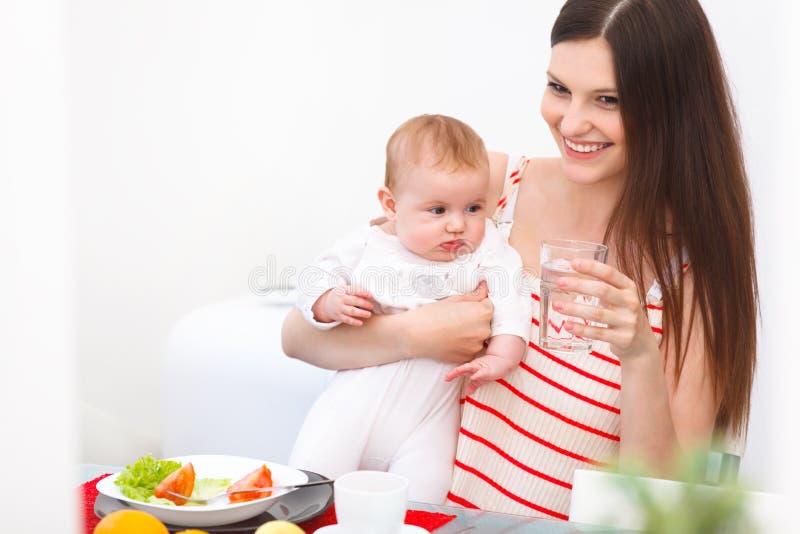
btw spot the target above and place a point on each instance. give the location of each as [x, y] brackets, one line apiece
[651, 164]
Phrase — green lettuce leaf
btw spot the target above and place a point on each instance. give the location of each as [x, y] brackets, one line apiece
[139, 479]
[205, 488]
[155, 500]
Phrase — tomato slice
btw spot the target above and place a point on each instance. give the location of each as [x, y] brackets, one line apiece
[180, 481]
[259, 478]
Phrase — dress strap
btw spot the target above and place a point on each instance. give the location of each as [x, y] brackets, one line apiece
[503, 216]
[654, 300]
[678, 267]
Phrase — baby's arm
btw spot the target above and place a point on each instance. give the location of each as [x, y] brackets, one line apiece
[349, 305]
[325, 295]
[511, 322]
[503, 355]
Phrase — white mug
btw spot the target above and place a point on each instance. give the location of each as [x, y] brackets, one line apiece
[371, 502]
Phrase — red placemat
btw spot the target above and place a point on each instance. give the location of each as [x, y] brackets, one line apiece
[87, 493]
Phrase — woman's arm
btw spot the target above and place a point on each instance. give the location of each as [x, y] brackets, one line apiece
[665, 412]
[452, 330]
[660, 415]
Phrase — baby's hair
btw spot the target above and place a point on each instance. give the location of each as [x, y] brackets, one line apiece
[437, 141]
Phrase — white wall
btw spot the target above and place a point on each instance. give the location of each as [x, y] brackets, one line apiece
[37, 301]
[776, 112]
[200, 129]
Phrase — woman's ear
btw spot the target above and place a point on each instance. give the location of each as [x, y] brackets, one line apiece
[387, 200]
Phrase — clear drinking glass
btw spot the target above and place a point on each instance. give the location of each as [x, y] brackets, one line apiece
[556, 256]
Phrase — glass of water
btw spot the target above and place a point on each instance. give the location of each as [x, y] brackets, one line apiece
[556, 257]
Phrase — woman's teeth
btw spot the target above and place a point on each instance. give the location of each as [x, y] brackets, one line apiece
[585, 148]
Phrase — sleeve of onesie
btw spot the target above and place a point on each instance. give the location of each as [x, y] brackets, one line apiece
[333, 268]
[502, 270]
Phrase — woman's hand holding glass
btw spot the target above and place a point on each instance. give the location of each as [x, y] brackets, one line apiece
[627, 329]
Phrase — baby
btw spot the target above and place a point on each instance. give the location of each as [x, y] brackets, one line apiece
[436, 242]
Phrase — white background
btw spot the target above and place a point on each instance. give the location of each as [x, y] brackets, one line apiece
[158, 151]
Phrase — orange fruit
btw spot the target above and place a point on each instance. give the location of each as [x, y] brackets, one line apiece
[192, 531]
[130, 522]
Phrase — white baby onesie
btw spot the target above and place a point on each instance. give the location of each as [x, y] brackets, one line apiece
[401, 417]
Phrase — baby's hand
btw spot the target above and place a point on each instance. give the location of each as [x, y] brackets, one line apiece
[349, 305]
[484, 369]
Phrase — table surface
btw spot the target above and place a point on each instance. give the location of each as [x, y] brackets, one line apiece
[466, 522]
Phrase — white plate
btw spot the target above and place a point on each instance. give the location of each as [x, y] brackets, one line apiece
[213, 466]
[338, 529]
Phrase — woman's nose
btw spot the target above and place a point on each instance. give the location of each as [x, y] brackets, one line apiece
[575, 123]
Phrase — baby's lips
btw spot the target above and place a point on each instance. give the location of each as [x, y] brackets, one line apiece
[453, 245]
[459, 246]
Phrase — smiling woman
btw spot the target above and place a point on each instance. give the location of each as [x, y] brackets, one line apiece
[646, 127]
[686, 192]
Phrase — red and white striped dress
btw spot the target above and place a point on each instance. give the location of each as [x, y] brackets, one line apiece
[522, 437]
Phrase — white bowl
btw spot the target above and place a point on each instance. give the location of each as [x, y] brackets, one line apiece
[222, 513]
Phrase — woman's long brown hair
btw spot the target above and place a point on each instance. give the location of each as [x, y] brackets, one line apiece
[686, 187]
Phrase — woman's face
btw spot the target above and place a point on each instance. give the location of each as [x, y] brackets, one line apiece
[580, 104]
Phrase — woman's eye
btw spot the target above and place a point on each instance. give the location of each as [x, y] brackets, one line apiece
[609, 100]
[557, 88]
[438, 210]
[474, 208]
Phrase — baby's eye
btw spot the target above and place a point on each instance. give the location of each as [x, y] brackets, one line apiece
[438, 210]
[557, 88]
[475, 208]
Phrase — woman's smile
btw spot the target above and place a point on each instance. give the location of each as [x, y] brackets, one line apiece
[583, 149]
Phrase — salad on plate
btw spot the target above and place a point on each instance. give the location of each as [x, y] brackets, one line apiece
[149, 480]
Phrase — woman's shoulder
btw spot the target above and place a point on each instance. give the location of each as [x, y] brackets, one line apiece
[543, 166]
[498, 162]
[501, 165]
[535, 169]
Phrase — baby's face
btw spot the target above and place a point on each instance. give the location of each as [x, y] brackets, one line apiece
[441, 215]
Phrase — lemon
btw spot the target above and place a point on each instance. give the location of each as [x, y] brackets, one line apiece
[130, 522]
[279, 527]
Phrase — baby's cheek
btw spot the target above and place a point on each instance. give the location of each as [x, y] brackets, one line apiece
[479, 234]
[416, 237]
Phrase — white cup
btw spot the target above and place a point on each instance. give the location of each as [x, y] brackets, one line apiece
[371, 502]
